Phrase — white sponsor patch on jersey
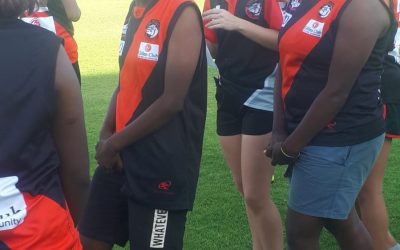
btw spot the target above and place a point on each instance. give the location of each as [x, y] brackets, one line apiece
[44, 22]
[121, 47]
[12, 204]
[124, 29]
[314, 28]
[159, 231]
[148, 51]
[286, 18]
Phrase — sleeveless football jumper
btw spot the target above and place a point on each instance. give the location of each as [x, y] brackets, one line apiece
[33, 211]
[246, 68]
[162, 168]
[306, 43]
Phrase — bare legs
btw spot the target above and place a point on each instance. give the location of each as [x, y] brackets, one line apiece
[303, 232]
[252, 173]
[372, 205]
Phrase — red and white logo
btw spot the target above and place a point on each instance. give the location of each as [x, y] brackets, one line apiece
[314, 28]
[148, 51]
[253, 9]
[35, 21]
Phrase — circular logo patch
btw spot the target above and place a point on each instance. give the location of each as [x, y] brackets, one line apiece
[325, 10]
[253, 9]
[152, 29]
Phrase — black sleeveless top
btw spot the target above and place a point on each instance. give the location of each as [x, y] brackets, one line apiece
[27, 97]
[306, 44]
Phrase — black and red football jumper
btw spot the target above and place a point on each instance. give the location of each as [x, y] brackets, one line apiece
[306, 43]
[162, 168]
[246, 68]
[33, 210]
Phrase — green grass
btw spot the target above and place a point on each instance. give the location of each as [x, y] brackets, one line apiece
[218, 221]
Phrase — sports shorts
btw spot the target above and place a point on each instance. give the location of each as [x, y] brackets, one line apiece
[111, 217]
[234, 118]
[325, 181]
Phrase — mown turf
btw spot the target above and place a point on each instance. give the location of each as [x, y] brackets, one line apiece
[218, 220]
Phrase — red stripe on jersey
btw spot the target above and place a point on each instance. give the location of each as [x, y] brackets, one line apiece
[295, 45]
[273, 14]
[209, 33]
[47, 226]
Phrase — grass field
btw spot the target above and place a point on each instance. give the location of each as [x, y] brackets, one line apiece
[218, 221]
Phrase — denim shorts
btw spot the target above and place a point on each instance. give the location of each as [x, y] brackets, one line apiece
[325, 181]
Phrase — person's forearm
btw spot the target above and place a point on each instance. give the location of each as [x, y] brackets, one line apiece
[76, 191]
[159, 113]
[108, 127]
[265, 37]
[72, 9]
[278, 121]
[322, 111]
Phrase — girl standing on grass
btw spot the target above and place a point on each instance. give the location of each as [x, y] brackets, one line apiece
[242, 37]
[328, 122]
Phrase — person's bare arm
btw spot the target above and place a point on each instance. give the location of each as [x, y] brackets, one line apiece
[108, 128]
[186, 39]
[222, 19]
[352, 49]
[70, 137]
[72, 9]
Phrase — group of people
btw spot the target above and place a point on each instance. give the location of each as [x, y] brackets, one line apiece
[301, 83]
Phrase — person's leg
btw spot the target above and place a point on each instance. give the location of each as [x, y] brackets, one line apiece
[350, 233]
[302, 231]
[372, 205]
[264, 218]
[231, 149]
[105, 219]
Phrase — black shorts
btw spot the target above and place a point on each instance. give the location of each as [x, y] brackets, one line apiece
[234, 118]
[112, 218]
[392, 118]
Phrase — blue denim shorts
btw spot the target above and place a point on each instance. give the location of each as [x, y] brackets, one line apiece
[325, 181]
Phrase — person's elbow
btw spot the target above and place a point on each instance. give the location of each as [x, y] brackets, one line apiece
[172, 105]
[74, 15]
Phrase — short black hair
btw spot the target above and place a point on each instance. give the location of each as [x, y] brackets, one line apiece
[15, 8]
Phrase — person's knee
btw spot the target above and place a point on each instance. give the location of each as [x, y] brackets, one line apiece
[297, 240]
[254, 202]
[302, 231]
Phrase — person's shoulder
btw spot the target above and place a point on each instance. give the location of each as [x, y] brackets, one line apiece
[42, 35]
[370, 11]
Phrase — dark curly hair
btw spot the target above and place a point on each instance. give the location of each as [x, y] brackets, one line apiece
[15, 8]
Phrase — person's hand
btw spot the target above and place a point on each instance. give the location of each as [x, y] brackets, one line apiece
[221, 19]
[279, 156]
[276, 137]
[105, 133]
[107, 156]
